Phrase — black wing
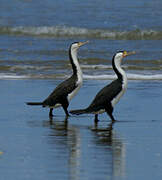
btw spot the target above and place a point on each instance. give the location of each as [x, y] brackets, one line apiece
[105, 95]
[61, 92]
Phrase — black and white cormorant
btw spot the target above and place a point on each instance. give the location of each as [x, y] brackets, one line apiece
[107, 97]
[65, 91]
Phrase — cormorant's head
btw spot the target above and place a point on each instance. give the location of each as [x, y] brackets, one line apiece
[117, 58]
[77, 45]
[122, 54]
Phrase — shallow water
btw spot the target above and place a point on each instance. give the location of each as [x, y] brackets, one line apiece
[36, 148]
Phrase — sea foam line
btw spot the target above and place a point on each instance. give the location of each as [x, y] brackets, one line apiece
[85, 76]
[129, 76]
[12, 76]
[56, 31]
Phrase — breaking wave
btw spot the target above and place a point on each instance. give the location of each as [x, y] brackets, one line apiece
[64, 31]
[12, 76]
[131, 76]
[21, 70]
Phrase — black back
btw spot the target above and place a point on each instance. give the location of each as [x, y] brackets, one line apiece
[60, 93]
[106, 95]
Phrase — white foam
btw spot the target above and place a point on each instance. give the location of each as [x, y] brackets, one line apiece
[81, 31]
[85, 76]
[145, 77]
[12, 76]
[129, 76]
[28, 67]
[52, 30]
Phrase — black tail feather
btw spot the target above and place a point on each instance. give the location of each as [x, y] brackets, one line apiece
[34, 103]
[80, 111]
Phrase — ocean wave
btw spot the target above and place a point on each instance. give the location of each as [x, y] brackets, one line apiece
[100, 66]
[12, 76]
[135, 66]
[130, 76]
[96, 67]
[28, 67]
[64, 31]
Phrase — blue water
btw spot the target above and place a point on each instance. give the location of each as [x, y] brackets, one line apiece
[36, 34]
[34, 41]
[35, 148]
[125, 15]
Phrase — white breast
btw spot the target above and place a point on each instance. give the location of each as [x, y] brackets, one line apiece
[124, 87]
[74, 92]
[78, 83]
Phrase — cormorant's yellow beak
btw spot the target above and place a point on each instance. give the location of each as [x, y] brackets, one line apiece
[82, 43]
[125, 53]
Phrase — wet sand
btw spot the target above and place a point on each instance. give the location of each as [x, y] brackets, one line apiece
[33, 147]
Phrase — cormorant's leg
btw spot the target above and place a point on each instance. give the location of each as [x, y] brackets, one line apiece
[109, 111]
[96, 119]
[96, 122]
[66, 119]
[50, 112]
[112, 117]
[65, 105]
[66, 111]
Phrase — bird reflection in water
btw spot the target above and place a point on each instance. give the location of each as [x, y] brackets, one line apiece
[104, 132]
[69, 138]
[62, 125]
[102, 150]
[109, 138]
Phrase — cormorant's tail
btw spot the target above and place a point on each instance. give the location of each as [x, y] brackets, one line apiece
[34, 103]
[80, 111]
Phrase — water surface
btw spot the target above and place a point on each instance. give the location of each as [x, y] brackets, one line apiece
[35, 147]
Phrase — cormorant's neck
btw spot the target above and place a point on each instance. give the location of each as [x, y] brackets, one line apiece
[74, 62]
[116, 64]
